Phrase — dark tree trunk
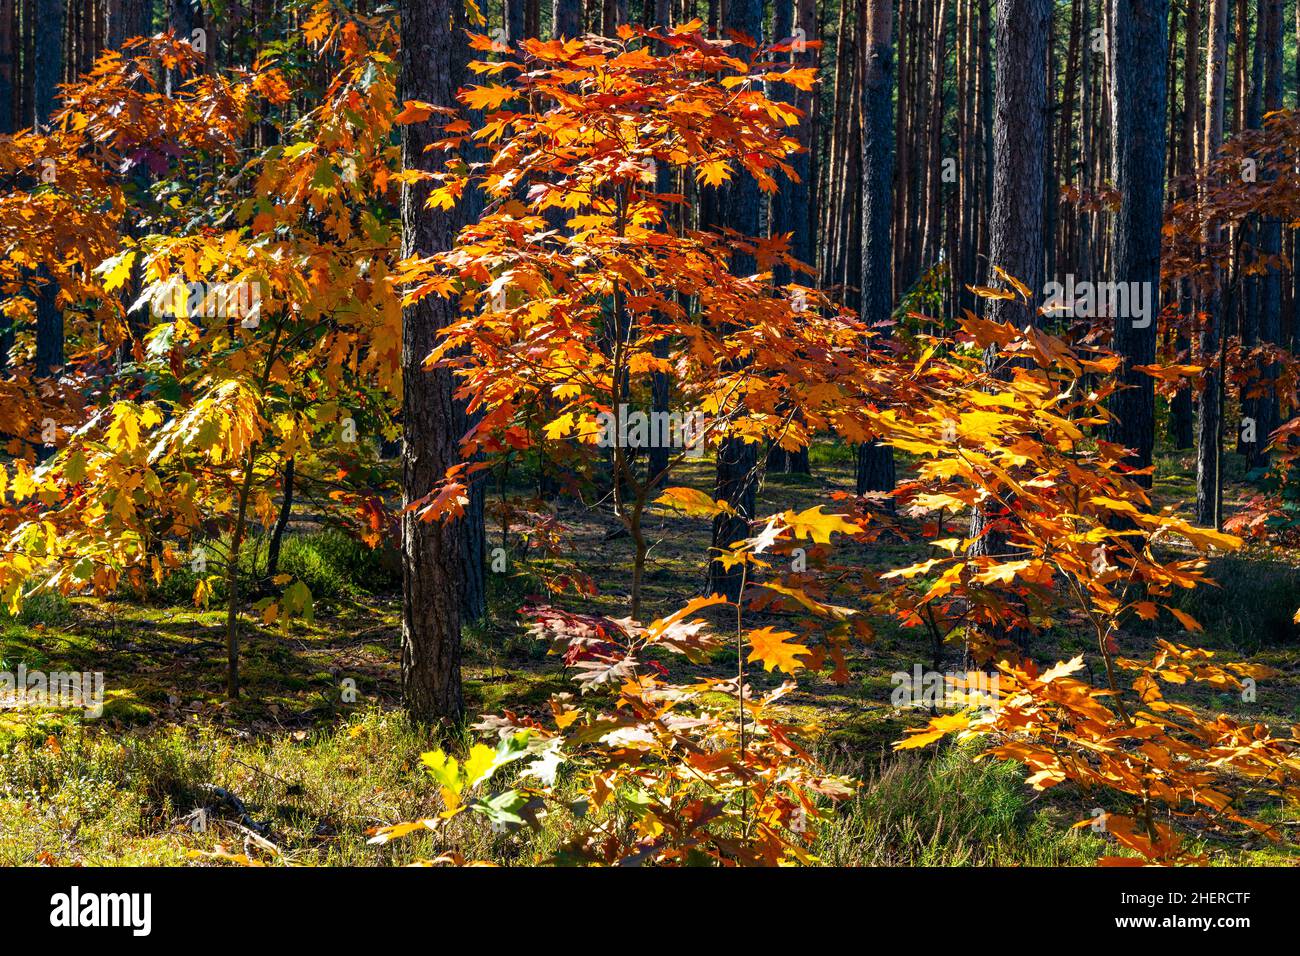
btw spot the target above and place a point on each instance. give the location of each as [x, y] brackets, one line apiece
[281, 521]
[1137, 122]
[126, 19]
[473, 603]
[613, 13]
[47, 61]
[661, 391]
[785, 212]
[801, 193]
[737, 462]
[1020, 106]
[789, 209]
[566, 18]
[46, 73]
[1269, 231]
[515, 20]
[1180, 410]
[180, 17]
[986, 120]
[1208, 478]
[7, 126]
[1016, 223]
[1247, 313]
[433, 58]
[876, 460]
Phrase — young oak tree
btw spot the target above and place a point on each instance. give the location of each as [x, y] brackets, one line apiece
[542, 303]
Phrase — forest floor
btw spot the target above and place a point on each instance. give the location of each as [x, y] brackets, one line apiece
[315, 766]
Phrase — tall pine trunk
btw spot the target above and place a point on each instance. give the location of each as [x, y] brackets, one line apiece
[1016, 224]
[433, 63]
[1137, 122]
[1269, 231]
[1208, 486]
[7, 125]
[875, 460]
[737, 463]
[47, 72]
[1180, 410]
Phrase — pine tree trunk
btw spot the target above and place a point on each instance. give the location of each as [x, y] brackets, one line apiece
[661, 385]
[433, 58]
[7, 126]
[875, 470]
[1208, 479]
[7, 51]
[1137, 71]
[1016, 226]
[566, 18]
[47, 72]
[737, 462]
[180, 17]
[515, 16]
[1269, 231]
[1180, 411]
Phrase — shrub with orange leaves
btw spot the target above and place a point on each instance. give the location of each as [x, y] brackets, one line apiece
[644, 769]
[1083, 545]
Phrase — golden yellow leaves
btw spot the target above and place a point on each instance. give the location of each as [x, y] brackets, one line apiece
[1202, 539]
[1170, 373]
[692, 502]
[1185, 619]
[448, 194]
[417, 111]
[714, 172]
[124, 430]
[271, 84]
[773, 649]
[117, 270]
[559, 427]
[318, 25]
[937, 729]
[488, 97]
[1111, 504]
[1064, 669]
[812, 523]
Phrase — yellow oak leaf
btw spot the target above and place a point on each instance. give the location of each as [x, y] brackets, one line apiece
[770, 647]
[813, 524]
[692, 502]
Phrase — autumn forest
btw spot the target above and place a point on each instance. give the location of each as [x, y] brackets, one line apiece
[712, 433]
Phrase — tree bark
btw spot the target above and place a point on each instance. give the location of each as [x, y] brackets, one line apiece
[1137, 122]
[281, 520]
[1269, 231]
[180, 18]
[1016, 223]
[515, 15]
[1208, 486]
[737, 462]
[566, 18]
[433, 64]
[47, 71]
[1180, 411]
[7, 126]
[875, 470]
